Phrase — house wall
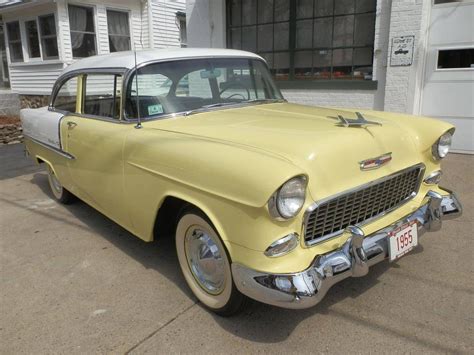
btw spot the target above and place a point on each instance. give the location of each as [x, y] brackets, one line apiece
[37, 77]
[396, 89]
[403, 83]
[165, 31]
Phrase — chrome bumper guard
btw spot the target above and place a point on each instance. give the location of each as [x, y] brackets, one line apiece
[307, 288]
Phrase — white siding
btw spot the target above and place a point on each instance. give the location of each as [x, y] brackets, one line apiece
[34, 79]
[38, 78]
[165, 30]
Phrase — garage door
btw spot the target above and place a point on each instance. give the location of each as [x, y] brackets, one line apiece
[448, 91]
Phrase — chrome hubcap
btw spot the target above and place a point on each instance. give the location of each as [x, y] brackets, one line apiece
[55, 184]
[205, 260]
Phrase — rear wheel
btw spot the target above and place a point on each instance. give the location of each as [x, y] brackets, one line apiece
[59, 192]
[206, 264]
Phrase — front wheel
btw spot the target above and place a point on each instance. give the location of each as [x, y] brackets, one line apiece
[206, 265]
[59, 192]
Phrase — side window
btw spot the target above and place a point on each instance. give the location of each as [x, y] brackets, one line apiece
[102, 95]
[65, 99]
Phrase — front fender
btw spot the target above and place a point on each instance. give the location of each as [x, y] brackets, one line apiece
[199, 169]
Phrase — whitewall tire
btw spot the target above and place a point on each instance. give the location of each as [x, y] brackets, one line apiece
[59, 192]
[205, 264]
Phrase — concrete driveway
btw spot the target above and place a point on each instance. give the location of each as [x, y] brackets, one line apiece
[72, 281]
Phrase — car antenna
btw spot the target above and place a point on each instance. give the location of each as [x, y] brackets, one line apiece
[139, 121]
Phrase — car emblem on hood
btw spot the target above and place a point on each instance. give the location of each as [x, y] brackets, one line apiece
[375, 163]
[360, 121]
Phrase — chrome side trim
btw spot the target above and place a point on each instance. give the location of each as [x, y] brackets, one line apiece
[53, 149]
[307, 288]
[316, 204]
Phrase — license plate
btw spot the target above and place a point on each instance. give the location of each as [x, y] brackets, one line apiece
[403, 240]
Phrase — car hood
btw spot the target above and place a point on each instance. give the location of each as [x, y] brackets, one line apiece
[312, 139]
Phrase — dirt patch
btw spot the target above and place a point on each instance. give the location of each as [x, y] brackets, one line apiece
[4, 120]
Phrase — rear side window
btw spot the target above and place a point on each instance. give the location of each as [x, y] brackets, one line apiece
[66, 97]
[102, 95]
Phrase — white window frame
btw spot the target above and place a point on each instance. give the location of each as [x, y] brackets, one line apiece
[437, 50]
[41, 37]
[24, 40]
[129, 14]
[96, 25]
[27, 44]
[7, 42]
[5, 73]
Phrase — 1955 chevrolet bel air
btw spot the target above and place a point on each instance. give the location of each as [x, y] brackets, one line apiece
[265, 199]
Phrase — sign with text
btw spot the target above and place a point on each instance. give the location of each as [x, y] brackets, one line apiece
[402, 51]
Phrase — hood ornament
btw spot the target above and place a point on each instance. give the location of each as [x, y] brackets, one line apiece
[360, 121]
[375, 163]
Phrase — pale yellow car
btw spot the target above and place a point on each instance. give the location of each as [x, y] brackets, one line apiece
[265, 199]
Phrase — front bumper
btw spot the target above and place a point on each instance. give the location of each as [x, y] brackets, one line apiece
[307, 288]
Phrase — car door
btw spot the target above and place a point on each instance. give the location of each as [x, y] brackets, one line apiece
[95, 137]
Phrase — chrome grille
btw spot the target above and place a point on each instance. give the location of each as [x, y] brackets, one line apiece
[330, 217]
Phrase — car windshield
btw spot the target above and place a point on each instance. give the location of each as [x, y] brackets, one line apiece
[195, 85]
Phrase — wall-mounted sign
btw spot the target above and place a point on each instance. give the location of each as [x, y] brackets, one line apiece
[402, 51]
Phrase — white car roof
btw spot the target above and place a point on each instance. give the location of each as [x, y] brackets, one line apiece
[127, 59]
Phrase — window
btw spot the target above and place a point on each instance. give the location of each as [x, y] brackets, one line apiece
[436, 2]
[4, 76]
[456, 58]
[65, 99]
[81, 22]
[49, 41]
[102, 95]
[181, 23]
[306, 39]
[119, 31]
[31, 28]
[14, 41]
[185, 85]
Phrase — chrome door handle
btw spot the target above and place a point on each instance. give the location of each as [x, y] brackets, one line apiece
[71, 124]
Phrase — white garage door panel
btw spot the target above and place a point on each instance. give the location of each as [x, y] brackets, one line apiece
[448, 94]
[444, 19]
[449, 99]
[463, 140]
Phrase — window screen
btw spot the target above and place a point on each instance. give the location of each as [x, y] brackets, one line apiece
[81, 22]
[49, 40]
[306, 39]
[32, 37]
[65, 99]
[119, 31]
[102, 95]
[14, 41]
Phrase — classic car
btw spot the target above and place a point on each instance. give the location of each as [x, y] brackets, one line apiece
[265, 199]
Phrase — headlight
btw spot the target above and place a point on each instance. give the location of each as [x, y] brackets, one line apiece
[441, 148]
[288, 200]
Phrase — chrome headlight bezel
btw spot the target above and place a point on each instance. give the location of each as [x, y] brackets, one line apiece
[282, 246]
[276, 204]
[441, 147]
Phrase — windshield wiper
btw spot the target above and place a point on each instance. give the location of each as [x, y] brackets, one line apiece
[220, 104]
[263, 100]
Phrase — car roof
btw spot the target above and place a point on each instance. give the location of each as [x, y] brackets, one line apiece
[126, 60]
